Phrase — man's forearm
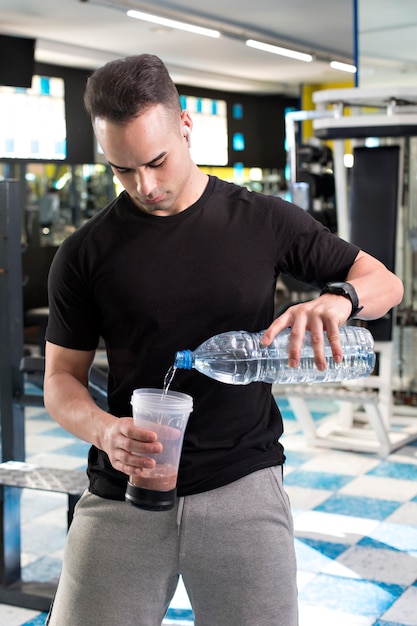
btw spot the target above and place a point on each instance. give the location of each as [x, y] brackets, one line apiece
[70, 404]
[378, 289]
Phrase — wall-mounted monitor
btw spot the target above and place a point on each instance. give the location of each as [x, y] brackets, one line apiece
[33, 120]
[209, 143]
[17, 56]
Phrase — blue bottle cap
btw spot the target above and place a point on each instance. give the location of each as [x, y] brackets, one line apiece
[183, 360]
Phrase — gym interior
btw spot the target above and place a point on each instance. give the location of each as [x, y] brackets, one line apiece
[343, 146]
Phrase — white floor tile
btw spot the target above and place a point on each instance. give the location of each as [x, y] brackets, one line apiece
[305, 498]
[335, 568]
[45, 443]
[339, 462]
[57, 517]
[381, 487]
[53, 459]
[331, 527]
[38, 427]
[405, 514]
[15, 616]
[404, 610]
[303, 578]
[387, 566]
[311, 615]
[180, 599]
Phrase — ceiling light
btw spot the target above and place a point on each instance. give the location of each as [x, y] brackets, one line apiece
[199, 30]
[344, 67]
[266, 47]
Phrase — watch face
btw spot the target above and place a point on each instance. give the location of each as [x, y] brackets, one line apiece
[338, 288]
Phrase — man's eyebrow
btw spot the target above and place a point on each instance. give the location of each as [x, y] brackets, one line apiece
[123, 167]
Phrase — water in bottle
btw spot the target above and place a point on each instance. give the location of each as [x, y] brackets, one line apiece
[238, 358]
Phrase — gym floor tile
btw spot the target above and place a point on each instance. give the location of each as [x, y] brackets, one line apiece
[398, 471]
[315, 556]
[317, 480]
[335, 528]
[371, 508]
[404, 610]
[381, 487]
[397, 537]
[378, 564]
[363, 597]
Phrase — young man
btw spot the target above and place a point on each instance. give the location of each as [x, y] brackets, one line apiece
[178, 257]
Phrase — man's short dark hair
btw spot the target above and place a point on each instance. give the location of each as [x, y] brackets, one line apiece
[125, 88]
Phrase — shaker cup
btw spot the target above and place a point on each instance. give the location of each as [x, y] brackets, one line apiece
[166, 414]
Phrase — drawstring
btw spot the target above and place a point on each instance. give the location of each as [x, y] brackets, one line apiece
[179, 512]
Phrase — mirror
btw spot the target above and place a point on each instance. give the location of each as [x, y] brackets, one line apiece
[61, 197]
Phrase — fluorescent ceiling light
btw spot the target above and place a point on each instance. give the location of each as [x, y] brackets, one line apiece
[344, 67]
[199, 30]
[285, 52]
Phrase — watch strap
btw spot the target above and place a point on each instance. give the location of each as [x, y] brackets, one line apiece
[346, 290]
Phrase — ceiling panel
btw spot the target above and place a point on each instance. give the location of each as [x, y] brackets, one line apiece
[85, 34]
[91, 34]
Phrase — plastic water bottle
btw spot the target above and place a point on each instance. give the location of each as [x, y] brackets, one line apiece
[238, 358]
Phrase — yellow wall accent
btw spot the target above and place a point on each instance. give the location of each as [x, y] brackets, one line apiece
[225, 173]
[307, 104]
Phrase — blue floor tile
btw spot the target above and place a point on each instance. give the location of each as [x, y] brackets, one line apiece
[314, 556]
[180, 614]
[47, 538]
[327, 548]
[368, 542]
[43, 570]
[397, 537]
[296, 458]
[358, 597]
[358, 506]
[39, 620]
[77, 448]
[400, 471]
[287, 415]
[381, 622]
[318, 408]
[37, 503]
[317, 480]
[60, 433]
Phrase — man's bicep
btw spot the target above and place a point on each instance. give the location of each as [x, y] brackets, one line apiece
[75, 362]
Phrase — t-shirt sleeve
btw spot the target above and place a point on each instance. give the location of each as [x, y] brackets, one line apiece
[73, 320]
[307, 250]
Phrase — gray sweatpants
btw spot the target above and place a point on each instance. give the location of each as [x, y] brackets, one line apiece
[233, 546]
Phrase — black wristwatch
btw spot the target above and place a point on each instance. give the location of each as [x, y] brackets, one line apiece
[346, 290]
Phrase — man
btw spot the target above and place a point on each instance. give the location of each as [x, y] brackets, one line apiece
[179, 257]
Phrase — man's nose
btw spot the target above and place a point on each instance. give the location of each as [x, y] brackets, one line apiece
[145, 183]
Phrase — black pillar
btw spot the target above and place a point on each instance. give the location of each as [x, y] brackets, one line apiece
[11, 379]
[374, 211]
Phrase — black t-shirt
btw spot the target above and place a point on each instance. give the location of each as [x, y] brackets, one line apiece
[151, 285]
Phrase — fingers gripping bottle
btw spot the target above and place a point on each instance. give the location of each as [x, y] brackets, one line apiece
[238, 358]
